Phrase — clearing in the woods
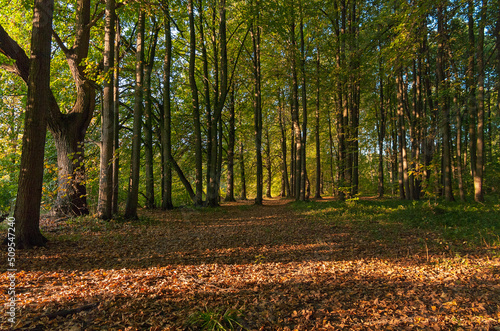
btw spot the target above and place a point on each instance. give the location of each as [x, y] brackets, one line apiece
[325, 265]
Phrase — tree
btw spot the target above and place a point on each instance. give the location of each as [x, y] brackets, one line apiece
[133, 190]
[104, 207]
[195, 107]
[29, 193]
[167, 116]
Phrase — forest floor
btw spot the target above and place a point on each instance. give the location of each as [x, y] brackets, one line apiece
[321, 265]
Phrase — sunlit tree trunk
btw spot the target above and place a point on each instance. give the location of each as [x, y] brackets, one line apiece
[480, 157]
[29, 192]
[285, 184]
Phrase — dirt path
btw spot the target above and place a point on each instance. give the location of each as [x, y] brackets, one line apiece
[283, 269]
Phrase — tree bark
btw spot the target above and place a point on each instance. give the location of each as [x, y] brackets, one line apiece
[480, 157]
[105, 199]
[133, 190]
[317, 194]
[444, 107]
[167, 202]
[196, 109]
[255, 30]
[230, 150]
[116, 122]
[148, 122]
[29, 192]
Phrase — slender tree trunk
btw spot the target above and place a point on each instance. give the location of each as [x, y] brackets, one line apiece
[303, 173]
[471, 84]
[148, 122]
[444, 107]
[295, 116]
[230, 149]
[167, 202]
[196, 108]
[243, 194]
[318, 150]
[381, 132]
[104, 205]
[133, 191]
[268, 165]
[29, 192]
[461, 189]
[285, 190]
[480, 157]
[116, 122]
[257, 107]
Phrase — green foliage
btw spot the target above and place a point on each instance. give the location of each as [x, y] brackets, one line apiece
[472, 225]
[215, 320]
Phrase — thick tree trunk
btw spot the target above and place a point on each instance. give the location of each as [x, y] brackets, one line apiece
[68, 129]
[471, 86]
[29, 192]
[104, 205]
[133, 190]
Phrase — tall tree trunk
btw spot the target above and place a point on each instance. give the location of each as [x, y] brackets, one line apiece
[116, 117]
[104, 205]
[133, 190]
[317, 195]
[230, 150]
[471, 85]
[480, 157]
[303, 173]
[444, 106]
[381, 131]
[295, 115]
[402, 174]
[257, 105]
[148, 122]
[221, 92]
[29, 192]
[196, 108]
[167, 117]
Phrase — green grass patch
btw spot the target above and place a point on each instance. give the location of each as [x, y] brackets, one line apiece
[215, 320]
[473, 224]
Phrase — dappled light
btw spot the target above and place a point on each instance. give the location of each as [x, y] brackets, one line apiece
[280, 266]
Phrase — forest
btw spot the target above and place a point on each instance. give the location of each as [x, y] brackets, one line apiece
[366, 132]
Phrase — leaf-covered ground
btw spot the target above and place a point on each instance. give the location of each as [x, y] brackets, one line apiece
[282, 266]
